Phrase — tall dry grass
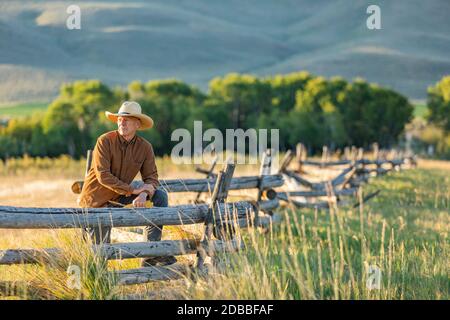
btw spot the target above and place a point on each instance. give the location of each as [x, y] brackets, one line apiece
[311, 255]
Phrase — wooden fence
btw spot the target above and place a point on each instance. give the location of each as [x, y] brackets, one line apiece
[216, 215]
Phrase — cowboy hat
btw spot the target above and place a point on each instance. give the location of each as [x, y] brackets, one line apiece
[131, 109]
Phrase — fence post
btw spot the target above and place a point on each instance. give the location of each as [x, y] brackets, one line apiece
[324, 155]
[209, 174]
[299, 155]
[347, 155]
[266, 165]
[219, 195]
[288, 157]
[375, 150]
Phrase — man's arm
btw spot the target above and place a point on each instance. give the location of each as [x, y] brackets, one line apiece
[149, 172]
[101, 159]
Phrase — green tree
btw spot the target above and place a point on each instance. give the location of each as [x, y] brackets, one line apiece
[373, 114]
[245, 96]
[89, 99]
[439, 103]
[23, 136]
[285, 87]
[319, 115]
[61, 126]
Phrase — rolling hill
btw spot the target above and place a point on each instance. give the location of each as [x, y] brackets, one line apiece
[196, 40]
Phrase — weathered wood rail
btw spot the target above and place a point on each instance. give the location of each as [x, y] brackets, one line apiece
[39, 218]
[207, 185]
[119, 251]
[354, 171]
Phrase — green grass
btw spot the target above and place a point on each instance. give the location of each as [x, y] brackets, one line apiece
[420, 111]
[326, 255]
[310, 255]
[22, 110]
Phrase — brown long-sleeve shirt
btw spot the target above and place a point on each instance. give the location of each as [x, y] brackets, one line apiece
[115, 163]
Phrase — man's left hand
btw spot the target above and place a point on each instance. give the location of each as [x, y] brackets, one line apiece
[139, 202]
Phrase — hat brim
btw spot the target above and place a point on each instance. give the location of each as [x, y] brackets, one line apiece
[146, 121]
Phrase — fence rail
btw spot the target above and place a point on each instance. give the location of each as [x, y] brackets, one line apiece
[41, 218]
[205, 185]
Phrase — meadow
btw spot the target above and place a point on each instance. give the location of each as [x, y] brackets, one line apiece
[312, 254]
[22, 110]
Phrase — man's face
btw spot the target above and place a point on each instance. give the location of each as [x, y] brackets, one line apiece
[127, 126]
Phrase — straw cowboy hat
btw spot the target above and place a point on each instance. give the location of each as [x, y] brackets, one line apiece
[131, 109]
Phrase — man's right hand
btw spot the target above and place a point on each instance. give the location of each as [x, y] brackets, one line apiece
[144, 188]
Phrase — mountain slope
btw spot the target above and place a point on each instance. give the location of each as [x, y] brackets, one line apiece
[195, 40]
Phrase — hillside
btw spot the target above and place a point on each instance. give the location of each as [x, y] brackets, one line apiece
[196, 40]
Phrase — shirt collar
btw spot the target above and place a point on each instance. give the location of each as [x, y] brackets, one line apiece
[124, 142]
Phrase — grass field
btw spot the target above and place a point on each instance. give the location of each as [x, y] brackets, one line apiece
[311, 255]
[420, 111]
[22, 110]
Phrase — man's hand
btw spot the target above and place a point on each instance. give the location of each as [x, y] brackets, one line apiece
[144, 188]
[139, 202]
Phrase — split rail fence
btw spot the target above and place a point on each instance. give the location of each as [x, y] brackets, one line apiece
[218, 216]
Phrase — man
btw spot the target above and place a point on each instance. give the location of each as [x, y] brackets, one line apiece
[116, 159]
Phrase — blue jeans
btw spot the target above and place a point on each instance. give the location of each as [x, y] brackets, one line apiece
[151, 233]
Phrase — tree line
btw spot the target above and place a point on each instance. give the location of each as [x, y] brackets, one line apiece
[310, 109]
[437, 130]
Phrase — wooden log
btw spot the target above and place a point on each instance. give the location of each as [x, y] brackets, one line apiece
[375, 150]
[310, 205]
[35, 218]
[38, 218]
[146, 249]
[25, 256]
[288, 157]
[348, 178]
[209, 174]
[378, 171]
[316, 193]
[299, 156]
[149, 274]
[268, 205]
[343, 176]
[108, 251]
[327, 164]
[264, 221]
[205, 185]
[398, 161]
[367, 198]
[269, 194]
[132, 250]
[380, 162]
[115, 251]
[325, 154]
[265, 169]
[299, 179]
[171, 272]
[318, 204]
[338, 180]
[204, 171]
[218, 197]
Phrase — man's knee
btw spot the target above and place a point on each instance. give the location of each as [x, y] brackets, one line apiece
[160, 198]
